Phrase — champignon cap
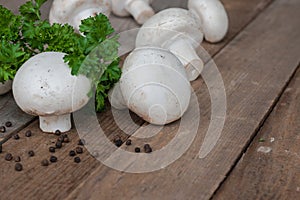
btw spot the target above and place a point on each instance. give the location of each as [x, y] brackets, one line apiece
[154, 85]
[44, 86]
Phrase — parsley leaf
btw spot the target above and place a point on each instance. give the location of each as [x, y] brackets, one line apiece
[93, 54]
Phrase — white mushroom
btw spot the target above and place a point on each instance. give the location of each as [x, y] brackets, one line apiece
[5, 87]
[177, 30]
[213, 18]
[44, 86]
[154, 85]
[139, 9]
[73, 11]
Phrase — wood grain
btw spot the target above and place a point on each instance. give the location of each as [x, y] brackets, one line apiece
[245, 10]
[9, 111]
[254, 73]
[60, 179]
[271, 175]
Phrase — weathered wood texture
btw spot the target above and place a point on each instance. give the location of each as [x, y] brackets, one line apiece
[57, 180]
[240, 14]
[9, 111]
[250, 67]
[254, 74]
[269, 169]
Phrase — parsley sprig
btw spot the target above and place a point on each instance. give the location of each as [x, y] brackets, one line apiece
[93, 54]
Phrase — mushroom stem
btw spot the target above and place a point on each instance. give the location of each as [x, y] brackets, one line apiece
[52, 123]
[140, 10]
[186, 53]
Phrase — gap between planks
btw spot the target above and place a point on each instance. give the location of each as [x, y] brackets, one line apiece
[275, 11]
[251, 13]
[265, 119]
[272, 173]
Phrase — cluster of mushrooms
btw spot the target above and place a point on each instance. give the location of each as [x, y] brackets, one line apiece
[155, 81]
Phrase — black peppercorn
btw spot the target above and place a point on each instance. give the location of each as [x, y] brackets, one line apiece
[58, 144]
[147, 148]
[118, 142]
[57, 132]
[0, 148]
[18, 159]
[52, 149]
[60, 138]
[72, 153]
[53, 159]
[45, 162]
[81, 142]
[128, 142]
[8, 124]
[137, 150]
[66, 139]
[16, 137]
[77, 160]
[18, 167]
[31, 153]
[2, 129]
[8, 157]
[79, 150]
[28, 133]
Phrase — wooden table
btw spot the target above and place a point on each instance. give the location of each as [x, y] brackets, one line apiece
[256, 157]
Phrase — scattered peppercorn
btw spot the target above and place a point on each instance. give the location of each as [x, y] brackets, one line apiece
[8, 124]
[18, 159]
[2, 129]
[72, 153]
[137, 150]
[52, 149]
[28, 133]
[60, 138]
[45, 162]
[128, 142]
[8, 157]
[77, 160]
[58, 144]
[18, 167]
[147, 148]
[0, 148]
[66, 139]
[79, 150]
[57, 132]
[16, 137]
[81, 142]
[53, 159]
[118, 142]
[31, 153]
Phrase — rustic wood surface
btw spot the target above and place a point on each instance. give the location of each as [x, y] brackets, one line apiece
[255, 75]
[10, 112]
[269, 169]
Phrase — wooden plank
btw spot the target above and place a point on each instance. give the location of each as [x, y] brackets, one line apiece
[33, 178]
[9, 111]
[59, 179]
[246, 10]
[270, 167]
[254, 74]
